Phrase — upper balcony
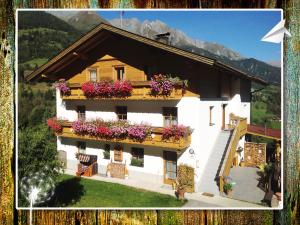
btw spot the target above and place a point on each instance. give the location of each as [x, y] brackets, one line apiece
[139, 90]
[155, 138]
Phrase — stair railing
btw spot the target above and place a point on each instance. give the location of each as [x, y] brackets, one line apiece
[239, 127]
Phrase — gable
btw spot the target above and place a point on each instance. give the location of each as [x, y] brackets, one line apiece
[103, 38]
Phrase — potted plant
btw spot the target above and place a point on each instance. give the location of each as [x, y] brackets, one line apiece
[180, 190]
[228, 189]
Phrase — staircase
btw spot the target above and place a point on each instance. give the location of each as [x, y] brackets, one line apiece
[209, 180]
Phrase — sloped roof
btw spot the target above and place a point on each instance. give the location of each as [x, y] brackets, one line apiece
[103, 27]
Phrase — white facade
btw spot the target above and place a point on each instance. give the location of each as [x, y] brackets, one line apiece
[192, 111]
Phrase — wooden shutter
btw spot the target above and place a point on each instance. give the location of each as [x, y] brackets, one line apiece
[118, 153]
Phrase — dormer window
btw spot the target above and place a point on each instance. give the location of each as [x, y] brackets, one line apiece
[93, 75]
[120, 72]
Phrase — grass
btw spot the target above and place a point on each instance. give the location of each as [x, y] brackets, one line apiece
[80, 192]
[260, 114]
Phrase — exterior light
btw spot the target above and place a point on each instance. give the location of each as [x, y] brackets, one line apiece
[191, 151]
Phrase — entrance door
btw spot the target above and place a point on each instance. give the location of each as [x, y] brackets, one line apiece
[170, 167]
[223, 116]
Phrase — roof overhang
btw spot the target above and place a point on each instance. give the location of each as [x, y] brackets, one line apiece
[80, 48]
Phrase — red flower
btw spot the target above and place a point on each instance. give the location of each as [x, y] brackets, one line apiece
[104, 132]
[176, 132]
[88, 89]
[54, 125]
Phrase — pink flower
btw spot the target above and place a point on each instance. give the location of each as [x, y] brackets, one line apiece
[138, 132]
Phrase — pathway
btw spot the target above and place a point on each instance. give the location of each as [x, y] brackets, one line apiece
[246, 188]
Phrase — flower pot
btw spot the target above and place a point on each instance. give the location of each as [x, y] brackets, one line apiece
[278, 196]
[229, 193]
[180, 193]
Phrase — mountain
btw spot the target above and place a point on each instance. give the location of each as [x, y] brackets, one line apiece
[81, 20]
[212, 50]
[178, 38]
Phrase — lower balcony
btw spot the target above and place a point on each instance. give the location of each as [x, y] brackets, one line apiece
[141, 90]
[154, 139]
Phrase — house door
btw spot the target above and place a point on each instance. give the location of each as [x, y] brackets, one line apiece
[170, 167]
[223, 116]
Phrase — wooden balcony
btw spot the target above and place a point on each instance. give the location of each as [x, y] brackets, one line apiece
[154, 140]
[141, 91]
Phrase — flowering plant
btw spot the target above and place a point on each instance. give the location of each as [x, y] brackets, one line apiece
[104, 89]
[119, 132]
[176, 132]
[107, 89]
[111, 129]
[122, 89]
[79, 127]
[138, 132]
[162, 84]
[89, 89]
[63, 86]
[55, 124]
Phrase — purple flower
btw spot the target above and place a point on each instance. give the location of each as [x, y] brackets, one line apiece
[63, 87]
[138, 132]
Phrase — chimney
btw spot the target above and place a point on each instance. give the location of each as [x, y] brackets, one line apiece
[164, 38]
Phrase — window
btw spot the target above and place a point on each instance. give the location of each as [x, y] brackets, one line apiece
[106, 152]
[170, 116]
[149, 70]
[81, 146]
[121, 112]
[81, 112]
[118, 153]
[137, 157]
[210, 115]
[120, 73]
[93, 75]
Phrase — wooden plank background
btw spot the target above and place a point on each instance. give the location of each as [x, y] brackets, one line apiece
[9, 215]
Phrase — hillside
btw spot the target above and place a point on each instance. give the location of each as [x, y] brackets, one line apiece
[41, 36]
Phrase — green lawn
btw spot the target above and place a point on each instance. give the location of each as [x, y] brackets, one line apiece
[80, 192]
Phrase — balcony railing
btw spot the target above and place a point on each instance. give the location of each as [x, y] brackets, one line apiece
[155, 139]
[141, 91]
